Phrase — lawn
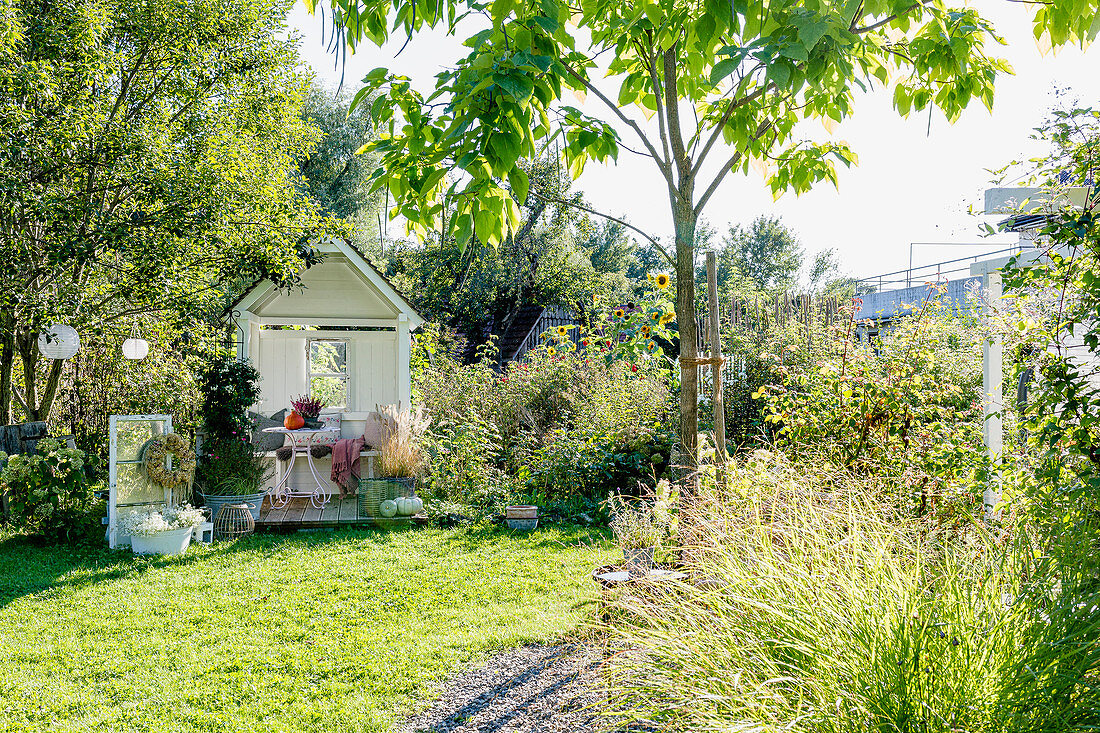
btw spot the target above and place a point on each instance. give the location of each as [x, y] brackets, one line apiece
[323, 631]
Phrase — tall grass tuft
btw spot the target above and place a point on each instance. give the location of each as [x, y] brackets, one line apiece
[815, 606]
[401, 454]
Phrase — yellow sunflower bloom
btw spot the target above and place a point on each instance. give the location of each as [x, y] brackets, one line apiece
[563, 330]
[551, 350]
[645, 330]
[619, 313]
[651, 346]
[656, 316]
[662, 280]
[668, 318]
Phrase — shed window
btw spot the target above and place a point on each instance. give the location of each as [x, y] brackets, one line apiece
[328, 371]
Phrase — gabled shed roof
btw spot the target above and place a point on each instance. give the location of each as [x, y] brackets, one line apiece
[347, 285]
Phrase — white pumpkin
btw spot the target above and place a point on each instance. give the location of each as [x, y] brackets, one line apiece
[402, 505]
[417, 505]
[388, 508]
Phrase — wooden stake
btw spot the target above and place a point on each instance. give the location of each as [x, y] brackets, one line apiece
[716, 352]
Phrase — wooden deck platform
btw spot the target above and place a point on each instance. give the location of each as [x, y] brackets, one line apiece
[301, 514]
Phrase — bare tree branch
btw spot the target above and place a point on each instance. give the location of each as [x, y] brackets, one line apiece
[628, 225]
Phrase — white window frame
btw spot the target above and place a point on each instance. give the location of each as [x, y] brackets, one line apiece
[346, 375]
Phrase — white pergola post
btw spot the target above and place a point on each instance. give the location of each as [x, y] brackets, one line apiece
[404, 349]
[992, 395]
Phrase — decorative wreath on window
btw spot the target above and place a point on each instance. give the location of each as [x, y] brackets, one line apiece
[155, 457]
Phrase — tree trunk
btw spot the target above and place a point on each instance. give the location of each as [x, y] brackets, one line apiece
[685, 222]
[7, 364]
[37, 408]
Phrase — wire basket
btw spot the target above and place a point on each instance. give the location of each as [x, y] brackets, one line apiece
[234, 521]
[373, 491]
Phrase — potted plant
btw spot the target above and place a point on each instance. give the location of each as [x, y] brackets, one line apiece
[522, 516]
[162, 533]
[310, 410]
[400, 461]
[637, 531]
[233, 472]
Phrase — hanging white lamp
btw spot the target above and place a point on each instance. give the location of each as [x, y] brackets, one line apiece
[59, 342]
[135, 349]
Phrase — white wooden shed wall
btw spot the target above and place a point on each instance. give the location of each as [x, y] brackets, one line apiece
[343, 290]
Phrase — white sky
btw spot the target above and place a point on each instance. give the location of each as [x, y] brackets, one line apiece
[909, 186]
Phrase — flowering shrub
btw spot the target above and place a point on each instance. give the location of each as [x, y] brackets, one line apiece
[907, 406]
[562, 429]
[633, 332]
[50, 492]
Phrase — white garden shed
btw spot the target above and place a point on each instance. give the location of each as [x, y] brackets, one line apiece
[345, 335]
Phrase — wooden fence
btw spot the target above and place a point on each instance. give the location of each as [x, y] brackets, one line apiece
[783, 309]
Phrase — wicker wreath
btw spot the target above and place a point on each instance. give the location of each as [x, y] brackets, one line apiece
[156, 468]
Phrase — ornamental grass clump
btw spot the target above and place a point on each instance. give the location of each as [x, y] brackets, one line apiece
[816, 606]
[401, 454]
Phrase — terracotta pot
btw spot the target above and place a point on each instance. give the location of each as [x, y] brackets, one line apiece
[522, 511]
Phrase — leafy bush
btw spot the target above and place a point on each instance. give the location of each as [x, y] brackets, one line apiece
[49, 493]
[229, 387]
[232, 468]
[907, 405]
[465, 476]
[563, 429]
[827, 609]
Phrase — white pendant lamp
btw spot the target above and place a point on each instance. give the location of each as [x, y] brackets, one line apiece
[135, 349]
[59, 342]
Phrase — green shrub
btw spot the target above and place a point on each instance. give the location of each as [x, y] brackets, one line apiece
[464, 474]
[907, 405]
[229, 387]
[232, 468]
[49, 493]
[561, 429]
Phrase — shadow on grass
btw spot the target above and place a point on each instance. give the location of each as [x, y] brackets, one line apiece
[31, 568]
[554, 536]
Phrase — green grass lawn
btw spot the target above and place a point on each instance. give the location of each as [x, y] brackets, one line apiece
[322, 631]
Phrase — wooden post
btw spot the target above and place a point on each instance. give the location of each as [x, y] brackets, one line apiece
[715, 353]
[992, 398]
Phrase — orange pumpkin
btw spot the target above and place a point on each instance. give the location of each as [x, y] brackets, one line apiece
[293, 421]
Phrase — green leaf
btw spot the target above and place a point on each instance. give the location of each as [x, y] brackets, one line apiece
[519, 87]
[722, 69]
[520, 183]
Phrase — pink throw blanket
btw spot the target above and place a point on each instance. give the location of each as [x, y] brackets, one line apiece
[345, 463]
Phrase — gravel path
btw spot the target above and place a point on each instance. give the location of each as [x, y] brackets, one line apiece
[544, 689]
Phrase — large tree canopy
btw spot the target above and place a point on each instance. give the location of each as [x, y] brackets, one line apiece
[148, 156]
[724, 78]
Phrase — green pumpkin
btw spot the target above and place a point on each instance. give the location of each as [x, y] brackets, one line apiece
[388, 508]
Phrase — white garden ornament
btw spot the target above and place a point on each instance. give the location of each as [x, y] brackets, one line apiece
[59, 342]
[135, 349]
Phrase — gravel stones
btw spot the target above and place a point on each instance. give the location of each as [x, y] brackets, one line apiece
[548, 689]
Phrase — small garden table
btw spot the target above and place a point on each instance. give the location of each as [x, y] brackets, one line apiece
[282, 492]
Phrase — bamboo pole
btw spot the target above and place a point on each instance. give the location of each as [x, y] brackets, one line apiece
[716, 353]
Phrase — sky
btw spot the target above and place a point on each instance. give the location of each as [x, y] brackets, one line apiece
[910, 193]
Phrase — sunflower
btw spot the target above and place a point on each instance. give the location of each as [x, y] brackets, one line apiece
[645, 330]
[668, 318]
[651, 346]
[550, 350]
[619, 313]
[662, 280]
[563, 330]
[656, 316]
